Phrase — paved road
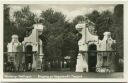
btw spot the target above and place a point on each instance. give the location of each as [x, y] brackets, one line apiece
[62, 74]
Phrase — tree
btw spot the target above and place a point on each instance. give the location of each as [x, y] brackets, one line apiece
[117, 34]
[93, 16]
[58, 36]
[23, 19]
[70, 45]
[117, 29]
[103, 21]
[50, 17]
[52, 35]
[7, 27]
[77, 19]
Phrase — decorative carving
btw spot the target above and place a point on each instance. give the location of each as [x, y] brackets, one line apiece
[92, 30]
[90, 25]
[105, 61]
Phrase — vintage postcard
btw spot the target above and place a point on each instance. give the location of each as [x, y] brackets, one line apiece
[63, 41]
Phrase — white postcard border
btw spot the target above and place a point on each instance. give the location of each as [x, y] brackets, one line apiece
[68, 2]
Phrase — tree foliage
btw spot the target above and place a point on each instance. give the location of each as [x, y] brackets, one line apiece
[23, 19]
[7, 26]
[117, 29]
[103, 21]
[77, 19]
[59, 36]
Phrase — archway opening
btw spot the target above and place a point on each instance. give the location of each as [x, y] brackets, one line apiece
[92, 57]
[28, 57]
[28, 48]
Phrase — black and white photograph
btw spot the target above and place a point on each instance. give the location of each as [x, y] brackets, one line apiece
[63, 41]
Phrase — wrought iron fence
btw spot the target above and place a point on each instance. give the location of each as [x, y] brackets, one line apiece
[22, 61]
[18, 61]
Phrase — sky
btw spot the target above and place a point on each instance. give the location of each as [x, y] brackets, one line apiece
[69, 10]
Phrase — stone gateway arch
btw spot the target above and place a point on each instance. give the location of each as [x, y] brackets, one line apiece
[30, 51]
[94, 54]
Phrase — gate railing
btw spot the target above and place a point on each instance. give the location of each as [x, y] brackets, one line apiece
[14, 60]
[17, 61]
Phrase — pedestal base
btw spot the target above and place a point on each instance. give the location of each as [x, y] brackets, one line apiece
[79, 68]
[81, 65]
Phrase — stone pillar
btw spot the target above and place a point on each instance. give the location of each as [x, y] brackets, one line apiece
[40, 58]
[106, 59]
[41, 48]
[81, 62]
[79, 65]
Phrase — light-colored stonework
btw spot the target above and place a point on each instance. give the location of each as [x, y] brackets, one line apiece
[36, 44]
[89, 38]
[13, 47]
[32, 40]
